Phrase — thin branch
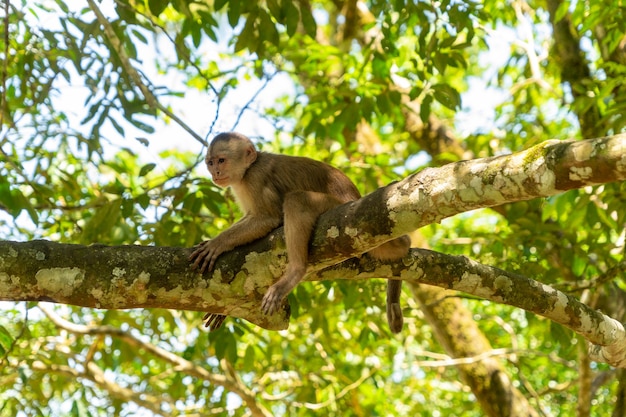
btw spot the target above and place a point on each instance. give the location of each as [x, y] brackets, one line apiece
[134, 74]
[333, 399]
[445, 360]
[231, 383]
[187, 58]
[5, 65]
[16, 338]
[252, 99]
[528, 45]
[149, 17]
[612, 273]
[93, 373]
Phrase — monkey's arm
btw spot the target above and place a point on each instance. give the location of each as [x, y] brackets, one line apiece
[246, 230]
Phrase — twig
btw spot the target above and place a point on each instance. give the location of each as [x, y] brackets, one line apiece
[5, 65]
[134, 75]
[342, 393]
[93, 373]
[16, 338]
[230, 383]
[252, 99]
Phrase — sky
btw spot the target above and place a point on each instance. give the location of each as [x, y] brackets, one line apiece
[198, 109]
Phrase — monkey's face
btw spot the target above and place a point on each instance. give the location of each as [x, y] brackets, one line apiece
[227, 162]
[220, 171]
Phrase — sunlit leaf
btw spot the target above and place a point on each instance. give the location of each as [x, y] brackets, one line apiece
[157, 6]
[146, 169]
[447, 95]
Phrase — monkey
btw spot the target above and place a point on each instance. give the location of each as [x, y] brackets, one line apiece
[274, 190]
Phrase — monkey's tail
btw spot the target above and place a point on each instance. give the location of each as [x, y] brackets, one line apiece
[394, 310]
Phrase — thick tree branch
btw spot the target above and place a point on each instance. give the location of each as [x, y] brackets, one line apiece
[132, 276]
[462, 274]
[450, 320]
[433, 194]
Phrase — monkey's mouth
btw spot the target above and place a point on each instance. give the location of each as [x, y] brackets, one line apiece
[220, 181]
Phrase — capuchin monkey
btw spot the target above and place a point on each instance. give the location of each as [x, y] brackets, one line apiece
[273, 190]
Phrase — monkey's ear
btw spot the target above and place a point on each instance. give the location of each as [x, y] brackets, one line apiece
[250, 155]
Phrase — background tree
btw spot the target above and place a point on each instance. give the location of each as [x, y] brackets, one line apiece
[105, 111]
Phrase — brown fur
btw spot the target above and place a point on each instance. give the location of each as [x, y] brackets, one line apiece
[276, 189]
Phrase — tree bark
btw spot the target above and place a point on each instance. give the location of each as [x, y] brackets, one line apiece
[131, 276]
[574, 68]
[491, 385]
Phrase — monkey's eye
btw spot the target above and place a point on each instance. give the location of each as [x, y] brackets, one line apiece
[210, 163]
[221, 161]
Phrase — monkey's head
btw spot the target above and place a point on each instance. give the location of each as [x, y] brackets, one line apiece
[229, 157]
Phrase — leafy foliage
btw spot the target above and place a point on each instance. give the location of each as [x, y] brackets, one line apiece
[379, 90]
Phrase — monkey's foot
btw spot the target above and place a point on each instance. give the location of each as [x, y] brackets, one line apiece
[272, 300]
[213, 321]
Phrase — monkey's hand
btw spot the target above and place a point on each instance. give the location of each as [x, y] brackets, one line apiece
[205, 255]
[213, 321]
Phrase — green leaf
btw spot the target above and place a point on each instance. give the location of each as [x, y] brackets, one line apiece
[128, 206]
[440, 60]
[562, 336]
[157, 6]
[425, 108]
[447, 95]
[143, 141]
[383, 103]
[102, 221]
[234, 12]
[246, 37]
[143, 200]
[218, 4]
[226, 346]
[5, 340]
[561, 11]
[146, 169]
[212, 201]
[267, 28]
[292, 18]
[139, 36]
[308, 21]
[276, 10]
[249, 357]
[117, 126]
[380, 68]
[142, 126]
[12, 199]
[196, 34]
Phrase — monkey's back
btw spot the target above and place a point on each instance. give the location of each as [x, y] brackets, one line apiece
[282, 174]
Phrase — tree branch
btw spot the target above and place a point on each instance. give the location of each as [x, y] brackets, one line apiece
[229, 380]
[151, 99]
[133, 276]
[93, 373]
[574, 68]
